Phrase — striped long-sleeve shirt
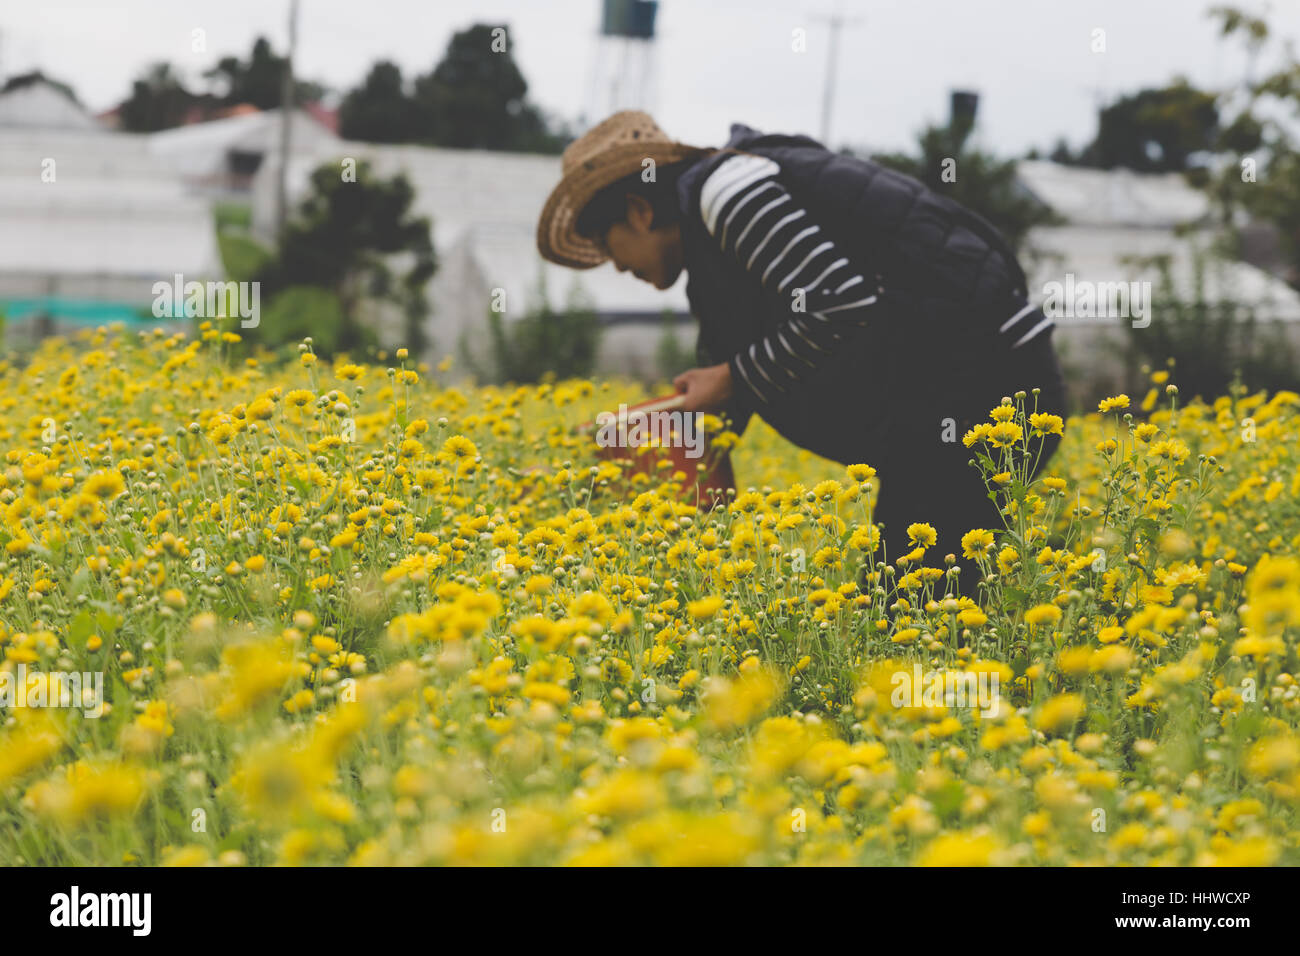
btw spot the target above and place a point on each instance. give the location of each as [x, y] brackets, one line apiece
[755, 219]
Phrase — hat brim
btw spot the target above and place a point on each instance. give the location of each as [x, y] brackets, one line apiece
[557, 234]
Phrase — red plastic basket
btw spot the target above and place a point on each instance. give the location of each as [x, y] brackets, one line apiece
[708, 477]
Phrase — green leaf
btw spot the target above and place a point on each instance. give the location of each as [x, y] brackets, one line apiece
[80, 582]
[1014, 595]
[947, 799]
[82, 626]
[235, 838]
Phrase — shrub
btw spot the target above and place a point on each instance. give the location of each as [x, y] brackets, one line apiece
[671, 357]
[544, 344]
[1210, 342]
[302, 311]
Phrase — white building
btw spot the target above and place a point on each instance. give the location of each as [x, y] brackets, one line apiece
[42, 105]
[91, 221]
[1116, 223]
[220, 157]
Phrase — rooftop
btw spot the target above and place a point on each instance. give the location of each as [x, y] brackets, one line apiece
[1116, 197]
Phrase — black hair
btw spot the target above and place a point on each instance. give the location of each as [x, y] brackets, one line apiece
[610, 204]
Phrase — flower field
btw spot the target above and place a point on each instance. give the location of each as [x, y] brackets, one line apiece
[344, 614]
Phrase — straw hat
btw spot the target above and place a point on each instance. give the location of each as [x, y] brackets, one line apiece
[604, 154]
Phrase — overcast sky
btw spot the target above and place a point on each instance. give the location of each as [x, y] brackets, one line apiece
[715, 62]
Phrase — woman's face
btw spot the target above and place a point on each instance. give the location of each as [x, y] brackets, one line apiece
[652, 255]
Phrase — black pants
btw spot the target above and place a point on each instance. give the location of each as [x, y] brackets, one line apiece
[925, 476]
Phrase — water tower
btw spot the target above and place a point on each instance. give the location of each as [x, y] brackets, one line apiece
[623, 74]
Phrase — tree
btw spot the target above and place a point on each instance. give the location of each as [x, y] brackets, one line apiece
[345, 237]
[157, 101]
[975, 179]
[1262, 162]
[227, 74]
[1155, 130]
[258, 81]
[476, 97]
[1061, 153]
[379, 111]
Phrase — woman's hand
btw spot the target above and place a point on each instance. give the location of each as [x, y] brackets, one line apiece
[705, 389]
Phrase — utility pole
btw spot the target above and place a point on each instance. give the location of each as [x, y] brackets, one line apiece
[286, 120]
[836, 21]
[1100, 100]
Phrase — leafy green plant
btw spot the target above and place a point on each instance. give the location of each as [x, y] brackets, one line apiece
[545, 343]
[242, 257]
[347, 237]
[671, 357]
[302, 311]
[1210, 342]
[236, 216]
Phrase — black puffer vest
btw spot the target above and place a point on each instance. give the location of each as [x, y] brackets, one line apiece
[949, 280]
